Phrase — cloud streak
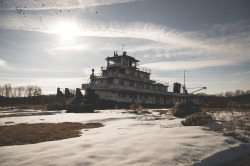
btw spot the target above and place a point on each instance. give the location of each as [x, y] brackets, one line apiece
[2, 63]
[57, 4]
[177, 42]
[189, 65]
[228, 48]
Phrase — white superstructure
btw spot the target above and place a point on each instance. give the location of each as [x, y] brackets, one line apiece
[123, 81]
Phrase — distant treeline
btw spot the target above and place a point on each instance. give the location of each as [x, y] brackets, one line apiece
[228, 93]
[31, 100]
[237, 98]
[7, 90]
[32, 95]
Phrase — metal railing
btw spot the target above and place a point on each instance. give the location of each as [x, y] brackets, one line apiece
[161, 82]
[128, 99]
[144, 69]
[127, 88]
[140, 68]
[103, 68]
[127, 76]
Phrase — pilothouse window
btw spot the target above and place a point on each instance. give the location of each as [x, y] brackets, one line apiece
[114, 62]
[134, 64]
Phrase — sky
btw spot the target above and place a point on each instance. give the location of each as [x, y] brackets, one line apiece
[56, 43]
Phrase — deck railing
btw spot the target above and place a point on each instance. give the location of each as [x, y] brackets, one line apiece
[140, 68]
[144, 69]
[127, 88]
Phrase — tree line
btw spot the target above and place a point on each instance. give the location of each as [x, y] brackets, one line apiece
[224, 99]
[228, 93]
[7, 90]
[235, 93]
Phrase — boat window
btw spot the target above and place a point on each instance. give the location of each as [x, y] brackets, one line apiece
[131, 83]
[121, 82]
[110, 80]
[125, 62]
[123, 94]
[133, 64]
[131, 72]
[137, 85]
[114, 62]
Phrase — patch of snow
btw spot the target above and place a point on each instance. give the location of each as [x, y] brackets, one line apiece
[126, 139]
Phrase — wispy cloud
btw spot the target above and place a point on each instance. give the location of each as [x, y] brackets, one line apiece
[68, 47]
[182, 65]
[57, 4]
[242, 73]
[217, 45]
[175, 42]
[3, 64]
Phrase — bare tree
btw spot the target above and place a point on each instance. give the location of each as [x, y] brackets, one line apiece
[1, 90]
[238, 92]
[229, 94]
[37, 91]
[7, 89]
[220, 94]
[20, 90]
[14, 92]
[29, 90]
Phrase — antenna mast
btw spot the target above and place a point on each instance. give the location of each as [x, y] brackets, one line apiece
[184, 86]
[122, 48]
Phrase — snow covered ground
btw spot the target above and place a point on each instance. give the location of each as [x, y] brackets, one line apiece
[126, 139]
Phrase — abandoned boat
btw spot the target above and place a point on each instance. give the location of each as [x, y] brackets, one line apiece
[123, 82]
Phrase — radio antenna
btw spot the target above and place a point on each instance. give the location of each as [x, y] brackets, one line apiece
[184, 86]
[122, 48]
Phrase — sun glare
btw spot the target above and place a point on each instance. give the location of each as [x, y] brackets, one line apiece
[67, 30]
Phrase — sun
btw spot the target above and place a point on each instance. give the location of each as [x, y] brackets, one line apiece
[67, 30]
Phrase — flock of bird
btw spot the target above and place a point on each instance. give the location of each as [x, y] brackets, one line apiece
[20, 10]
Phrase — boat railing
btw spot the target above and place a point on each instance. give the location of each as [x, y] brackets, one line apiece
[140, 68]
[128, 88]
[127, 76]
[144, 69]
[128, 99]
[103, 68]
[160, 82]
